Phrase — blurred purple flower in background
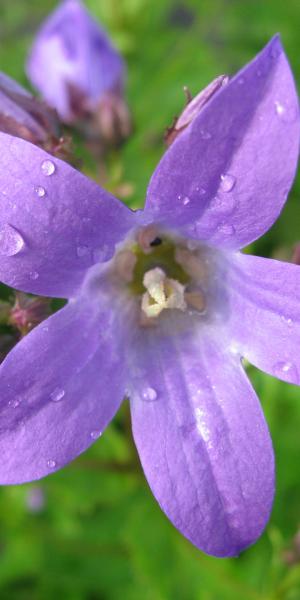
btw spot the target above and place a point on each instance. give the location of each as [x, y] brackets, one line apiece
[162, 306]
[78, 71]
[24, 116]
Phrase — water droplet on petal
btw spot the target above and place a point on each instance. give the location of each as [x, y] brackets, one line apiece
[95, 434]
[287, 371]
[227, 182]
[48, 167]
[40, 191]
[14, 403]
[100, 254]
[149, 395]
[51, 464]
[82, 251]
[200, 190]
[57, 395]
[274, 51]
[226, 229]
[11, 241]
[241, 81]
[205, 134]
[33, 275]
[288, 321]
[186, 201]
[279, 108]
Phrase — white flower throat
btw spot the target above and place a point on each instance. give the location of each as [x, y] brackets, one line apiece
[163, 272]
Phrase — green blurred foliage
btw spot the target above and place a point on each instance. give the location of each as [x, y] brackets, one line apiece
[96, 532]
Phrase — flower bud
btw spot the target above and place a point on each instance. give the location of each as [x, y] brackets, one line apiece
[78, 71]
[28, 311]
[24, 116]
[193, 108]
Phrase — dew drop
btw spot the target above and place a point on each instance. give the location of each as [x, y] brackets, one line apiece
[279, 108]
[274, 51]
[95, 434]
[33, 275]
[40, 191]
[48, 167]
[149, 395]
[101, 254]
[57, 395]
[200, 190]
[227, 182]
[51, 464]
[287, 320]
[82, 251]
[226, 229]
[205, 134]
[186, 201]
[14, 403]
[286, 371]
[11, 241]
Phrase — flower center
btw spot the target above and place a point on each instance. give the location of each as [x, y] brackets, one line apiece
[163, 272]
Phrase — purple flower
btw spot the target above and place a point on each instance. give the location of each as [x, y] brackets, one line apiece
[73, 63]
[162, 306]
[24, 116]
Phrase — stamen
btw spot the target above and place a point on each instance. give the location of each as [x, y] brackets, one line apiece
[195, 300]
[162, 293]
[191, 263]
[125, 262]
[145, 236]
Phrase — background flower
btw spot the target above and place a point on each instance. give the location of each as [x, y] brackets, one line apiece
[79, 72]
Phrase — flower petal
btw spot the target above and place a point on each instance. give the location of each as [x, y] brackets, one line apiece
[54, 222]
[226, 177]
[60, 387]
[264, 314]
[203, 441]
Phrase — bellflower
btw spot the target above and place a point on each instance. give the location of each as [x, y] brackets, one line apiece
[77, 70]
[162, 306]
[24, 116]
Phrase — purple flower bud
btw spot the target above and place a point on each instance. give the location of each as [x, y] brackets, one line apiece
[35, 499]
[24, 116]
[73, 63]
[28, 311]
[193, 107]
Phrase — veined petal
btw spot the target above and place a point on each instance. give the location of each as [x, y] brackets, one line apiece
[264, 313]
[54, 222]
[226, 177]
[60, 387]
[203, 441]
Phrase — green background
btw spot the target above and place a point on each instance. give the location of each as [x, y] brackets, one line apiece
[99, 533]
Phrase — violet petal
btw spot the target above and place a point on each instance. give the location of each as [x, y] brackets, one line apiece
[54, 221]
[264, 314]
[203, 441]
[60, 387]
[225, 178]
